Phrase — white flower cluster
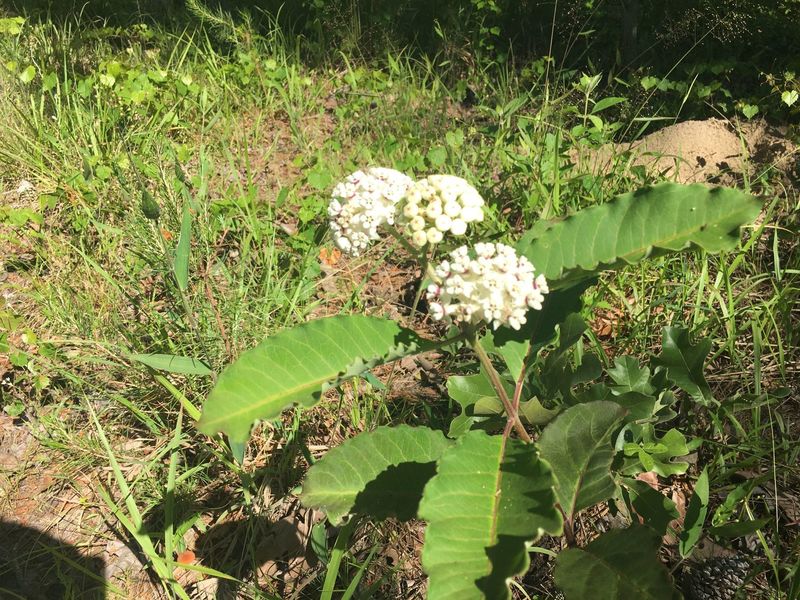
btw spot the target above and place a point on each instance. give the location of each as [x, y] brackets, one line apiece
[492, 284]
[440, 204]
[364, 202]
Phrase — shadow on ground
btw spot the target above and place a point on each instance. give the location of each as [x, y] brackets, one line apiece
[36, 566]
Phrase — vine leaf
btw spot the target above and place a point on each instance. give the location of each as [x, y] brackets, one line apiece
[490, 497]
[379, 473]
[648, 222]
[577, 445]
[684, 362]
[297, 365]
[619, 565]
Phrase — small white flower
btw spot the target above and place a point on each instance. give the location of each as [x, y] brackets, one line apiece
[419, 238]
[490, 284]
[364, 202]
[434, 235]
[444, 202]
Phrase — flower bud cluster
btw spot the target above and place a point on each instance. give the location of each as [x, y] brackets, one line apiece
[491, 284]
[364, 202]
[440, 204]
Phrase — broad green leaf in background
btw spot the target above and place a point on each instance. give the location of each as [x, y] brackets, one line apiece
[647, 222]
[684, 362]
[477, 398]
[297, 365]
[479, 401]
[619, 565]
[181, 264]
[173, 364]
[379, 473]
[577, 445]
[540, 328]
[695, 516]
[489, 498]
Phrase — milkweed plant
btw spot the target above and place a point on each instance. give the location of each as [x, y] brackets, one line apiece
[544, 431]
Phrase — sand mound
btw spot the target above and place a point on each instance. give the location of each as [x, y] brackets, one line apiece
[710, 151]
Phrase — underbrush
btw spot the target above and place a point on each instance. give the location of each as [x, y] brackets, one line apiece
[164, 210]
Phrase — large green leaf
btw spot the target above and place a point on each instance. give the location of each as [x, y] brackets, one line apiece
[647, 222]
[685, 362]
[619, 565]
[380, 473]
[296, 366]
[577, 445]
[489, 498]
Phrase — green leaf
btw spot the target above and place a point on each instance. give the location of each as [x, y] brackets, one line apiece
[490, 497]
[789, 97]
[380, 473]
[296, 366]
[654, 507]
[533, 413]
[648, 222]
[619, 565]
[149, 206]
[181, 264]
[630, 377]
[27, 74]
[540, 328]
[695, 516]
[437, 156]
[738, 529]
[577, 444]
[607, 103]
[685, 363]
[477, 398]
[173, 364]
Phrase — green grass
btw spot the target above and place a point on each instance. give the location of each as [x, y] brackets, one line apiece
[250, 139]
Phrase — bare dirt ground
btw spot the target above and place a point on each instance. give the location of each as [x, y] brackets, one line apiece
[710, 151]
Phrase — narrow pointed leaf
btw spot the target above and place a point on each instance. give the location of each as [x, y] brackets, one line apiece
[619, 565]
[489, 498]
[181, 264]
[695, 516]
[184, 365]
[296, 366]
[380, 473]
[648, 222]
[577, 445]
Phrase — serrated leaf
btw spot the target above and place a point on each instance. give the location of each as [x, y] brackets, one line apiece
[577, 445]
[619, 565]
[695, 516]
[297, 365]
[651, 221]
[184, 365]
[489, 498]
[685, 362]
[380, 473]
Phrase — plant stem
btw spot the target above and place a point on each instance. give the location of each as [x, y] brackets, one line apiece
[415, 252]
[497, 384]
